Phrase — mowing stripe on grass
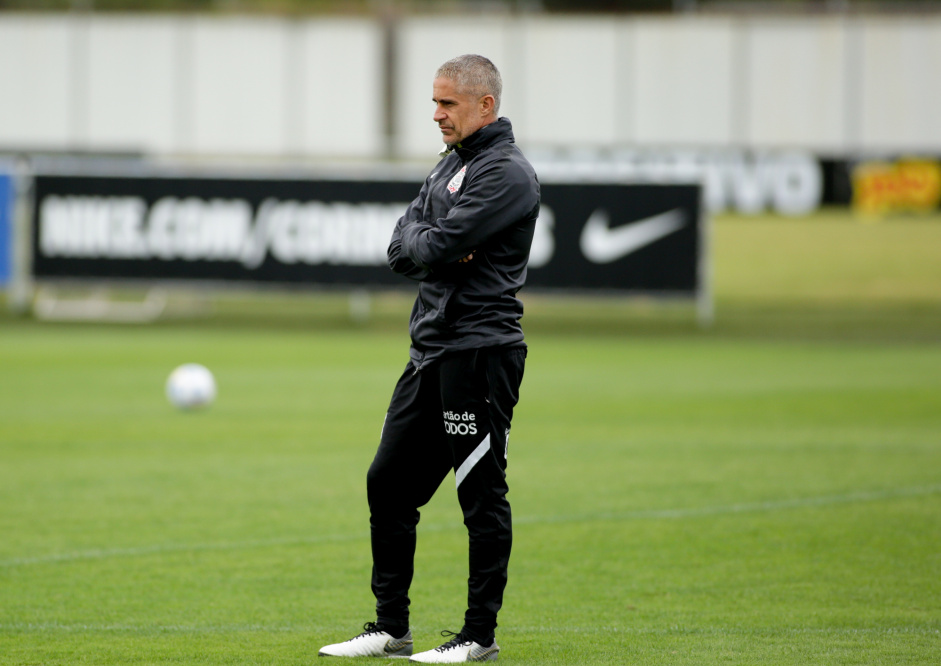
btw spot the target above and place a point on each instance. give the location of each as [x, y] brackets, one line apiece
[647, 514]
[672, 630]
[157, 549]
[751, 507]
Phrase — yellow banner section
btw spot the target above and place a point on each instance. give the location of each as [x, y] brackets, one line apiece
[903, 186]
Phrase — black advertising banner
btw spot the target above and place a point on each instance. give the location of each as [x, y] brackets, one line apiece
[621, 237]
[289, 231]
[643, 238]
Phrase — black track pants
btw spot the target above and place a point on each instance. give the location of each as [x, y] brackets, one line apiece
[453, 414]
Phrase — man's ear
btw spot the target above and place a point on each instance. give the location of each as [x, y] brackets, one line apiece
[487, 104]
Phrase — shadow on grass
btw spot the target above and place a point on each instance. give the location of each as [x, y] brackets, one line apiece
[847, 320]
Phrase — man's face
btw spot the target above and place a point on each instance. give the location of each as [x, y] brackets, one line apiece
[459, 115]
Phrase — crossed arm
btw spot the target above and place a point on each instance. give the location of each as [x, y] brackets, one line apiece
[487, 205]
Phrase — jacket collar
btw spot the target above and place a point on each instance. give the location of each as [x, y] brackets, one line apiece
[486, 136]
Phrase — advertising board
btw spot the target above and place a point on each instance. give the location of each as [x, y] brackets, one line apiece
[590, 236]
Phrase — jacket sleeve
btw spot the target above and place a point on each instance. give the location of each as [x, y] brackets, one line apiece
[398, 261]
[494, 197]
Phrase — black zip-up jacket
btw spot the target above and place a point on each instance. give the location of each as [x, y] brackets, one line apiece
[482, 198]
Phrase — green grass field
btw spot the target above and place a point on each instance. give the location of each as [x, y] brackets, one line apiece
[766, 491]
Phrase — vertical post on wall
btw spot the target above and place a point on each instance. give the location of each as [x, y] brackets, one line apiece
[389, 50]
[184, 86]
[740, 105]
[625, 71]
[705, 306]
[853, 66]
[80, 74]
[294, 140]
[21, 283]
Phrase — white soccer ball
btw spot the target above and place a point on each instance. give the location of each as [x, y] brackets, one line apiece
[191, 386]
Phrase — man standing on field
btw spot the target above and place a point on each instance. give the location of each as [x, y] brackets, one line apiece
[466, 240]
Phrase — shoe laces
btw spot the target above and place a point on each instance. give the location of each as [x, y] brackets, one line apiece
[457, 640]
[370, 628]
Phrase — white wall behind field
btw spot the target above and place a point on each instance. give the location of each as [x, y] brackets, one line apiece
[314, 88]
[191, 86]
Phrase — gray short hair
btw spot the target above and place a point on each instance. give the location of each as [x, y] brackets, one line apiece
[474, 75]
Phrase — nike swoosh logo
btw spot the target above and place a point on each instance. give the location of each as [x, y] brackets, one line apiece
[601, 244]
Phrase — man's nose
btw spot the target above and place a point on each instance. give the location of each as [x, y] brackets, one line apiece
[439, 115]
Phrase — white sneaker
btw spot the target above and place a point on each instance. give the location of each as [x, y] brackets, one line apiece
[458, 650]
[373, 642]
